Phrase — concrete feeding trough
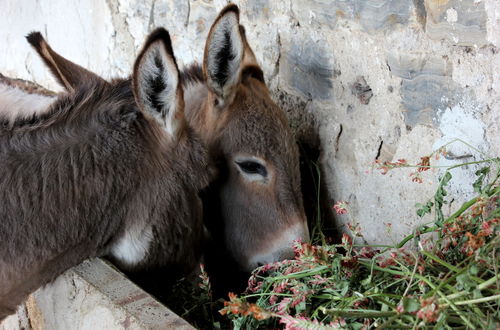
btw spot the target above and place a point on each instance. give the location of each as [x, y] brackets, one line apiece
[93, 295]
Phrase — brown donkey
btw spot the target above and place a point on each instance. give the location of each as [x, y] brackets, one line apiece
[257, 195]
[108, 169]
[255, 207]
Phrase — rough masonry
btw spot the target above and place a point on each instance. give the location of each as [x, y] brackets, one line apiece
[374, 80]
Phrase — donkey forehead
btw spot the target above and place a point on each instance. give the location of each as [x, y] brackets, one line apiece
[277, 153]
[257, 125]
[259, 135]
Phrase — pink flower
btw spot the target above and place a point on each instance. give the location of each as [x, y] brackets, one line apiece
[299, 295]
[319, 280]
[355, 228]
[386, 166]
[284, 305]
[386, 262]
[278, 288]
[416, 177]
[400, 308]
[429, 311]
[361, 303]
[205, 281]
[340, 207]
[424, 164]
[339, 322]
[367, 252]
[346, 240]
[238, 306]
[349, 262]
[487, 228]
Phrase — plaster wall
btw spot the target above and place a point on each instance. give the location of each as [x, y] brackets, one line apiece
[385, 80]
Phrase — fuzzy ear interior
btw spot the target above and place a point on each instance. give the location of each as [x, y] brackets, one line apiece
[67, 73]
[156, 82]
[224, 54]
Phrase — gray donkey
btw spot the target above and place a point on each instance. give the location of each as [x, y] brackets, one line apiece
[107, 169]
[254, 208]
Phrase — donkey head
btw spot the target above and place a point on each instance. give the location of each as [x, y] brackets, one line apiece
[259, 186]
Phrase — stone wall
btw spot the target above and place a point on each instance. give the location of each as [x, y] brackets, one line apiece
[375, 80]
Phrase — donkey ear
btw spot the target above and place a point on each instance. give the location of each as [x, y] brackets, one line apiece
[224, 54]
[250, 67]
[248, 55]
[156, 82]
[67, 73]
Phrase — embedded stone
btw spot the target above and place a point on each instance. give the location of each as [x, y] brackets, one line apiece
[425, 95]
[375, 14]
[420, 11]
[361, 90]
[321, 13]
[188, 24]
[462, 23]
[426, 87]
[307, 66]
[256, 9]
[409, 66]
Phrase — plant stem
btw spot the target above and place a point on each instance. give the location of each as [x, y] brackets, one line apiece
[454, 307]
[440, 261]
[412, 275]
[386, 270]
[479, 287]
[387, 323]
[318, 207]
[357, 313]
[308, 272]
[477, 301]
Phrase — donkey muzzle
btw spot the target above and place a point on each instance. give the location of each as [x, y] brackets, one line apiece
[281, 248]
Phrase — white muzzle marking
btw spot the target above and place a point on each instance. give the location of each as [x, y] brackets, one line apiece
[282, 247]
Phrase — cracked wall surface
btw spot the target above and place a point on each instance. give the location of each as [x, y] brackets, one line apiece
[376, 80]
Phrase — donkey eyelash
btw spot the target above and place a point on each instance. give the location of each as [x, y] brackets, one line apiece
[250, 167]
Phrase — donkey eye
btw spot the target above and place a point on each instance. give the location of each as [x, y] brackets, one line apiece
[250, 167]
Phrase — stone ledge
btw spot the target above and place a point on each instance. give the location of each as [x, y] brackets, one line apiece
[93, 295]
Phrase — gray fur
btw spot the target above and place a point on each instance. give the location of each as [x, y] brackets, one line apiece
[74, 178]
[247, 218]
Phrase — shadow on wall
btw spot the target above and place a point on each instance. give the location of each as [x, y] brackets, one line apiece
[317, 202]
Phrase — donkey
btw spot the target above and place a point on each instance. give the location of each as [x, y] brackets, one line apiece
[255, 206]
[110, 168]
[256, 203]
